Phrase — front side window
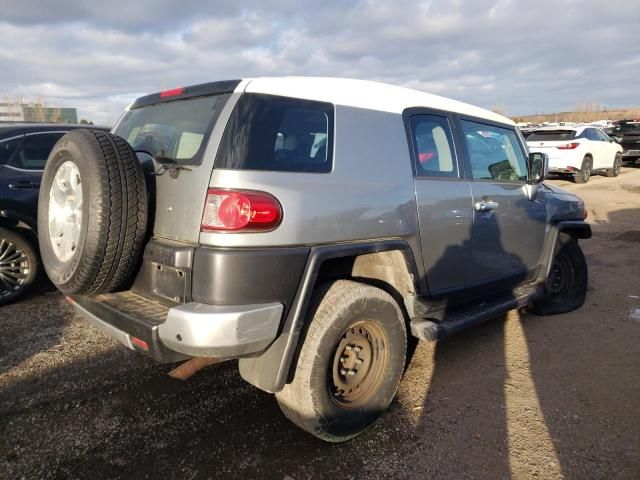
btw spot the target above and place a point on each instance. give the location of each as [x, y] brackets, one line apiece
[433, 146]
[8, 148]
[267, 132]
[34, 151]
[494, 153]
[172, 132]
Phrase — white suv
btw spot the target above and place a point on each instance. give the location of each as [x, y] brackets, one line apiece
[577, 151]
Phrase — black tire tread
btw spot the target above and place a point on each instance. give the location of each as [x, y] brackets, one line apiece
[116, 231]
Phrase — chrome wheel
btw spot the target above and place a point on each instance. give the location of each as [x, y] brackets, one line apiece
[14, 268]
[65, 211]
[617, 165]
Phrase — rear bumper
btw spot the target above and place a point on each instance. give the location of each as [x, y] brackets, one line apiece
[169, 334]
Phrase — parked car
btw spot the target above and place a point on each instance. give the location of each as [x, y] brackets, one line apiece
[306, 227]
[627, 134]
[577, 151]
[24, 148]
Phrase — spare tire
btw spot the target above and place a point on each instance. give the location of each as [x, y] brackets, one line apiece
[92, 213]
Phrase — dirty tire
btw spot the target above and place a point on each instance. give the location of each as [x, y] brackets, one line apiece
[614, 171]
[338, 312]
[567, 281]
[19, 264]
[584, 174]
[113, 215]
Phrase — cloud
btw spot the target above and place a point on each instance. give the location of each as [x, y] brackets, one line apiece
[526, 57]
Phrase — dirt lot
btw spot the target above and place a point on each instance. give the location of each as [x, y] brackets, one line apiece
[519, 397]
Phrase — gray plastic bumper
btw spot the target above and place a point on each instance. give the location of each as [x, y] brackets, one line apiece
[203, 330]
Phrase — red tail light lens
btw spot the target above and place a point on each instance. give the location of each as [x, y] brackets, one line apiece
[568, 146]
[171, 93]
[233, 210]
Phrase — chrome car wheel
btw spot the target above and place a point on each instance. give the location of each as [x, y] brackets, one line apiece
[65, 211]
[14, 268]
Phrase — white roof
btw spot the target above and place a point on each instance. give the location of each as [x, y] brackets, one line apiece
[364, 94]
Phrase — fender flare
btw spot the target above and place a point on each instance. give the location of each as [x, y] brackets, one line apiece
[272, 369]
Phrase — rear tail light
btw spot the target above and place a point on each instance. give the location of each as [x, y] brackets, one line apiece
[171, 93]
[568, 146]
[240, 210]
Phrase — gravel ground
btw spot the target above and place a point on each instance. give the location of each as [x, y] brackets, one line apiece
[518, 397]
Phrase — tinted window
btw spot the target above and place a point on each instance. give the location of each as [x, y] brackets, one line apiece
[268, 132]
[551, 135]
[173, 132]
[600, 135]
[433, 146]
[7, 148]
[494, 153]
[34, 151]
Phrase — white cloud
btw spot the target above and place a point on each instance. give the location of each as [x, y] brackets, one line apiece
[525, 56]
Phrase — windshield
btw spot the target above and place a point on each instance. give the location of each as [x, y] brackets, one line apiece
[172, 132]
[551, 135]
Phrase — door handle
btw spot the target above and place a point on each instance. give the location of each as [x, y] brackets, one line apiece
[486, 206]
[24, 185]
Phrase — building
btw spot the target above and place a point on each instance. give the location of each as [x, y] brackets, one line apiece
[36, 112]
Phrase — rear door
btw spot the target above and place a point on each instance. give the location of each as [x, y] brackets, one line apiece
[444, 201]
[595, 147]
[508, 228]
[21, 175]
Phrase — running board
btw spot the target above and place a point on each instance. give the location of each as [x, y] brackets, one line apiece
[468, 315]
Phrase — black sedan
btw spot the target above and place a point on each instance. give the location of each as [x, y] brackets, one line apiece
[24, 148]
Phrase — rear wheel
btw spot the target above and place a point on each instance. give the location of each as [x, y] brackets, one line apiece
[18, 265]
[350, 364]
[585, 171]
[614, 171]
[567, 280]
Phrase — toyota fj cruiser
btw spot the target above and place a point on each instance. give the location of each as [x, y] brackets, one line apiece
[306, 227]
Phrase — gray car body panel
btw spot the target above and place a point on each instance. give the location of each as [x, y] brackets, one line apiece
[368, 195]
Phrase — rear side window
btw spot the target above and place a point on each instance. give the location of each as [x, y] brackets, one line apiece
[494, 153]
[34, 151]
[551, 135]
[7, 149]
[172, 132]
[267, 132]
[433, 146]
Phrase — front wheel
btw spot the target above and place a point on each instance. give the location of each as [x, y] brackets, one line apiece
[614, 171]
[584, 174]
[350, 364]
[567, 281]
[18, 265]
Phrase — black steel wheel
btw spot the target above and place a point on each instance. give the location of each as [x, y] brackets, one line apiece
[350, 363]
[566, 283]
[358, 364]
[18, 265]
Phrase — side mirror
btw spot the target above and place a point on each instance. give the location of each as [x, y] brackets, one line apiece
[614, 139]
[538, 167]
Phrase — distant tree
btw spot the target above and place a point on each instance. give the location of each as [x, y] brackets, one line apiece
[85, 122]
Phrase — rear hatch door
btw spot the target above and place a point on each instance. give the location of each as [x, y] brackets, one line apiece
[176, 134]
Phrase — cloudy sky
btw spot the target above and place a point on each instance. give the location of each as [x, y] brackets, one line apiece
[523, 56]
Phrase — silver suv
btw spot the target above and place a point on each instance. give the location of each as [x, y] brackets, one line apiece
[308, 227]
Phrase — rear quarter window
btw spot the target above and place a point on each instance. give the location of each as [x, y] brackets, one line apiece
[267, 132]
